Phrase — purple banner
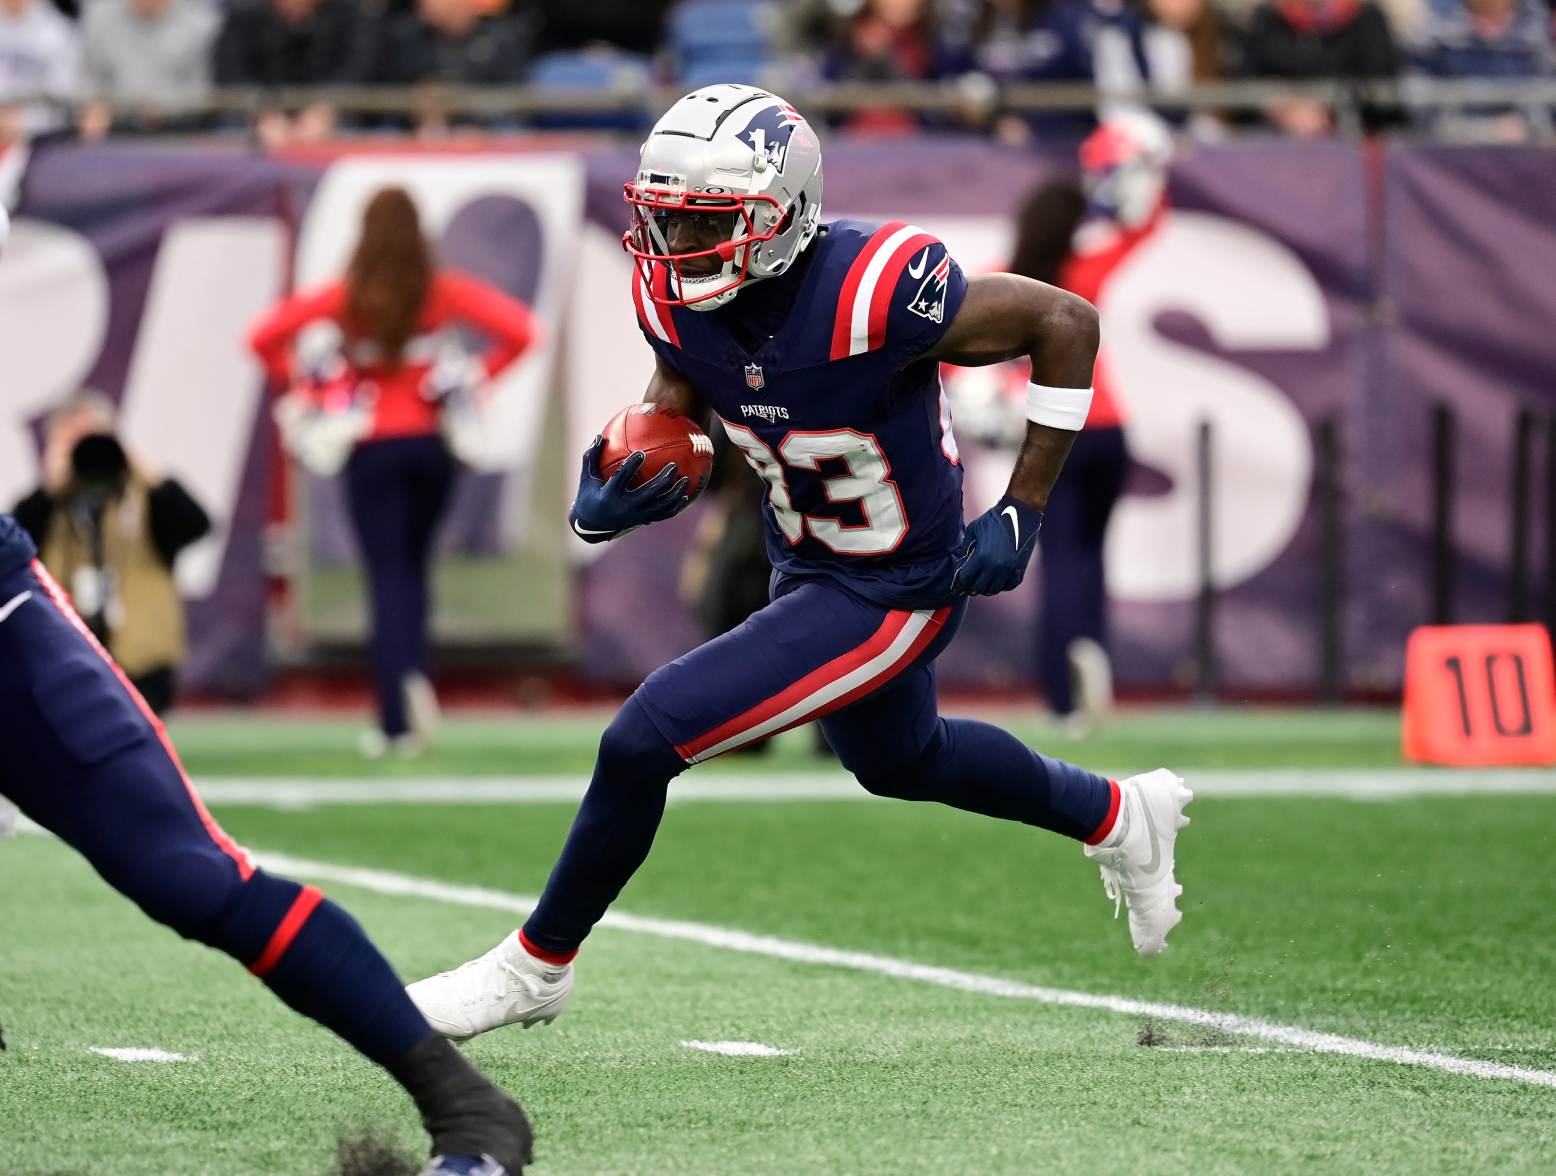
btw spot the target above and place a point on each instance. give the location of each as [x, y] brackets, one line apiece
[1293, 284]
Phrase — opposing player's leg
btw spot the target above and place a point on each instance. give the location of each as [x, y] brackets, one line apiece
[86, 759]
[897, 744]
[812, 651]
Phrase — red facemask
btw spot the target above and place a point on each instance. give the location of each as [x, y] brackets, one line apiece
[646, 240]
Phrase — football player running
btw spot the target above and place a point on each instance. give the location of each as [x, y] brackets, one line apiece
[818, 348]
[87, 759]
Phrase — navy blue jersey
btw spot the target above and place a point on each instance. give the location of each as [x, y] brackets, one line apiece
[839, 413]
[16, 548]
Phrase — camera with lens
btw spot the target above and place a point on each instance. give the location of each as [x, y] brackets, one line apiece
[100, 466]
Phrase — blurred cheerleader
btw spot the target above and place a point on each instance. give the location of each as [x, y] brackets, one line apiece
[373, 389]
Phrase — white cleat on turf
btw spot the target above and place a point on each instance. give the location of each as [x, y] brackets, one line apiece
[506, 986]
[1138, 870]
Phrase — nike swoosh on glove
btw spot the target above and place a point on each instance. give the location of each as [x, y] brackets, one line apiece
[605, 509]
[999, 546]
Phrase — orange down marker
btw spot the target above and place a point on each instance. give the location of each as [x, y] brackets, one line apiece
[1480, 695]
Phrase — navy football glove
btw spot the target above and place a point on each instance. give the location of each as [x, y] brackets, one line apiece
[999, 546]
[605, 509]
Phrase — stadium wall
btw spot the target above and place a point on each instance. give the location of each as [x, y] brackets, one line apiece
[1294, 284]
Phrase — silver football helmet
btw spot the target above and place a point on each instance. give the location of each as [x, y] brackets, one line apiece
[728, 191]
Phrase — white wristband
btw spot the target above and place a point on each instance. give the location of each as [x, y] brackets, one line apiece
[1058, 408]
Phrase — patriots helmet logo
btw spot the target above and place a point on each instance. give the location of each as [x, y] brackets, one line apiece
[929, 301]
[771, 129]
[754, 378]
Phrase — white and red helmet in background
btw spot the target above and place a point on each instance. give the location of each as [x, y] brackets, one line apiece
[739, 154]
[1124, 166]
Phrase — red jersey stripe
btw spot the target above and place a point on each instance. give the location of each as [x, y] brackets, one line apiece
[842, 326]
[886, 285]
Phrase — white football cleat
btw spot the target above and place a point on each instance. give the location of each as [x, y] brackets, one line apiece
[506, 986]
[1138, 870]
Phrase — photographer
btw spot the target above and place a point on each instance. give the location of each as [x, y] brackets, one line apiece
[109, 533]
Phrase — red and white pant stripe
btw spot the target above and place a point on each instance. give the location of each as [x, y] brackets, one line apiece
[61, 601]
[893, 647]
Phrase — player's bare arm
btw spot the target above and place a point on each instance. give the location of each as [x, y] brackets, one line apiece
[1004, 317]
[670, 388]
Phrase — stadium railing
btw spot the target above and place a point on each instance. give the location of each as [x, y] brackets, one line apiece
[974, 96]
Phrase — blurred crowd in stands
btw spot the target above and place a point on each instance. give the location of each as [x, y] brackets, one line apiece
[126, 65]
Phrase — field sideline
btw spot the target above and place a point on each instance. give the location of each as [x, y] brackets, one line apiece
[1361, 983]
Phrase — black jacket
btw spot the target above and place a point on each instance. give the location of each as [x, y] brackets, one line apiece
[1361, 48]
[495, 52]
[334, 47]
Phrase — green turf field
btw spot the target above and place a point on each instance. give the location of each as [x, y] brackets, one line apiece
[1422, 923]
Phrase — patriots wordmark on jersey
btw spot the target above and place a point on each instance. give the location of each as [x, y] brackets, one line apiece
[853, 438]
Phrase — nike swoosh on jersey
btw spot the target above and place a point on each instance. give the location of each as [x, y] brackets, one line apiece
[1015, 526]
[12, 605]
[916, 270]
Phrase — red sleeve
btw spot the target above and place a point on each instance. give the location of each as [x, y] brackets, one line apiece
[508, 324]
[271, 337]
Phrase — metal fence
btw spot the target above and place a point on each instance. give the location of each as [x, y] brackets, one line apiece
[971, 99]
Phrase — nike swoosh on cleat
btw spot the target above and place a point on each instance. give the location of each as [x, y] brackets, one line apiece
[1015, 526]
[1156, 842]
[916, 270]
[12, 605]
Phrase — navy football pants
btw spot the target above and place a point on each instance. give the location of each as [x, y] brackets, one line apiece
[397, 490]
[818, 651]
[82, 755]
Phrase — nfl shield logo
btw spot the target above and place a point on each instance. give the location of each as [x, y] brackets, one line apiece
[754, 378]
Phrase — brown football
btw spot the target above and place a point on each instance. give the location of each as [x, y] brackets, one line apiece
[664, 435]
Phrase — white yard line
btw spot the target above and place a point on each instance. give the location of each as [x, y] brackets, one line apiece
[139, 1054]
[386, 882]
[1375, 784]
[739, 1049]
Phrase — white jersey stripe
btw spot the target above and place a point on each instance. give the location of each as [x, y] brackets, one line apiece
[859, 319]
[876, 666]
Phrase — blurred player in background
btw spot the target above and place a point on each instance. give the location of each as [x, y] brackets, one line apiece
[819, 348]
[1076, 238]
[87, 759]
[110, 531]
[1124, 170]
[377, 399]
